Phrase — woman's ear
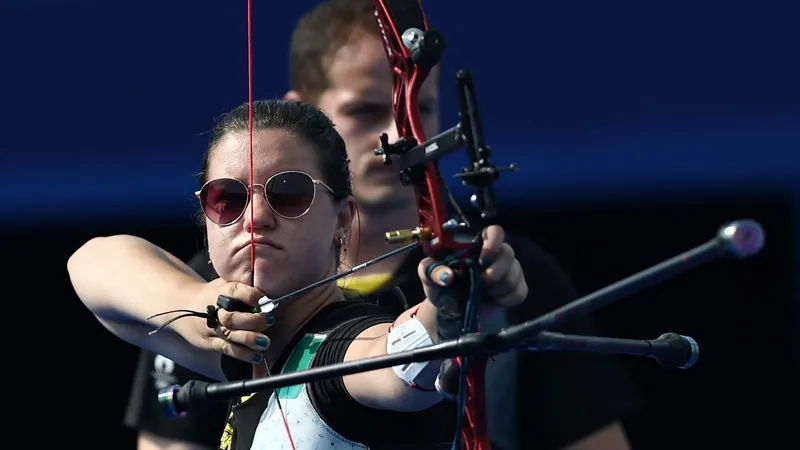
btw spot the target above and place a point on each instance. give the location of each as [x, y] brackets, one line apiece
[346, 213]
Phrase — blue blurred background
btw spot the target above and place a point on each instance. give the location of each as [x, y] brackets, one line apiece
[623, 116]
[110, 100]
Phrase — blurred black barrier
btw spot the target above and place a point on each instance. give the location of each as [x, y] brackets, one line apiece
[72, 370]
[742, 390]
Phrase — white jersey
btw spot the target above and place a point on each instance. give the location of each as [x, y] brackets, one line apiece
[308, 430]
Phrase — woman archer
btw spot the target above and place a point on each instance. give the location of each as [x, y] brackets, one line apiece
[300, 218]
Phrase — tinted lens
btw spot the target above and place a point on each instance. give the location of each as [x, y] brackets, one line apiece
[224, 200]
[290, 194]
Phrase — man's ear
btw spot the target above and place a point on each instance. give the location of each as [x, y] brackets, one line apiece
[293, 95]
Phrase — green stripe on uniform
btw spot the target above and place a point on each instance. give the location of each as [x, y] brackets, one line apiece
[300, 359]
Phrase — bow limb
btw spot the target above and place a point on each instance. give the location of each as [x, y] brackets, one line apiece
[413, 50]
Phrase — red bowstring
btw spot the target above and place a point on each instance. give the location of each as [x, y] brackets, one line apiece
[252, 185]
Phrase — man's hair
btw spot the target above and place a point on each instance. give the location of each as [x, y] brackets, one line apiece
[319, 34]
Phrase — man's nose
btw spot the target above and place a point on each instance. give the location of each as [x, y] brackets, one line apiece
[391, 130]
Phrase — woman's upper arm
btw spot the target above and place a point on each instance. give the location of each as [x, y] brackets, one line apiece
[368, 388]
[383, 389]
[349, 408]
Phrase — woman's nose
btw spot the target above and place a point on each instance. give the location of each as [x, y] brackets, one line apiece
[259, 215]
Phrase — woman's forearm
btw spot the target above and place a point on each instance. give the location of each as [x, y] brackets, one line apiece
[383, 389]
[124, 279]
[425, 313]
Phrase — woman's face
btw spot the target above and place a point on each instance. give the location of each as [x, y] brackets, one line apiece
[289, 253]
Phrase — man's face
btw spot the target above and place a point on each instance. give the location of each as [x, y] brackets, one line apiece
[359, 100]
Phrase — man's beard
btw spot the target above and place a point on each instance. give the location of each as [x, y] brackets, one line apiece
[386, 204]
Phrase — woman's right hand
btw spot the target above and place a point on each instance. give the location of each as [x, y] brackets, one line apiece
[241, 335]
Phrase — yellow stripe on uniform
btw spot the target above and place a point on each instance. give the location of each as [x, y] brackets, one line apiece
[365, 284]
[227, 433]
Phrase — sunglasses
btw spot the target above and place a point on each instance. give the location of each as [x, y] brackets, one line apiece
[289, 194]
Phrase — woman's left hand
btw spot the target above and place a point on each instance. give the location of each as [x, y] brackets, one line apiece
[503, 281]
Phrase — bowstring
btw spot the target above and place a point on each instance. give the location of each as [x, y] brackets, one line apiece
[253, 191]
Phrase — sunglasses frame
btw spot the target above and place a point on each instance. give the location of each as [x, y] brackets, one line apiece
[315, 182]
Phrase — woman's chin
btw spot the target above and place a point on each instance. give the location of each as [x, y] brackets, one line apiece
[266, 281]
[273, 284]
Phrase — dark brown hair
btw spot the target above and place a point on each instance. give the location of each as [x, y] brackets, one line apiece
[318, 35]
[300, 119]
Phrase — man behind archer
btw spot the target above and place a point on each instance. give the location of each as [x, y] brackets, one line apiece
[537, 401]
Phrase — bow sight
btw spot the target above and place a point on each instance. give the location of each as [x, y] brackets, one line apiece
[412, 158]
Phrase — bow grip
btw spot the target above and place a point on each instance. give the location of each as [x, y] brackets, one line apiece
[451, 315]
[451, 310]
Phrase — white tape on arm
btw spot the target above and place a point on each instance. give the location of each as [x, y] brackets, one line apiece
[409, 335]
